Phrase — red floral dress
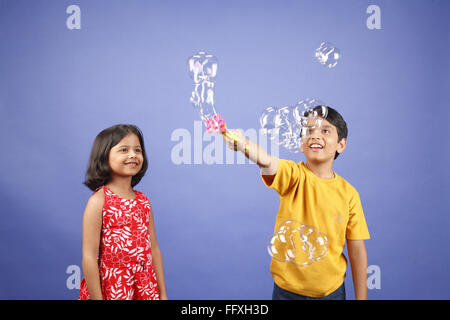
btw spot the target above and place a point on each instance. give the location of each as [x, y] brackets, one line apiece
[125, 257]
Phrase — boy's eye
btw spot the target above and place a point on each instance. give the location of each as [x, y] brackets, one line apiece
[326, 131]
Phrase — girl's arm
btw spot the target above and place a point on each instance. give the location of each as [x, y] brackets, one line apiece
[358, 259]
[92, 226]
[157, 259]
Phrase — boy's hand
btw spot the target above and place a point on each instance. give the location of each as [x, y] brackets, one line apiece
[239, 143]
[267, 163]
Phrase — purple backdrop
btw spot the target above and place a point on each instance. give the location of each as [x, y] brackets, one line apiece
[64, 77]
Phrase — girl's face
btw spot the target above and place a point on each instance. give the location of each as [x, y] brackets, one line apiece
[126, 158]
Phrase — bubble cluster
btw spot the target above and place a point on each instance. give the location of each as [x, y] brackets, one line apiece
[290, 123]
[328, 55]
[297, 243]
[203, 71]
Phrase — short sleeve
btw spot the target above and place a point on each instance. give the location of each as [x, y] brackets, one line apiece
[287, 176]
[357, 226]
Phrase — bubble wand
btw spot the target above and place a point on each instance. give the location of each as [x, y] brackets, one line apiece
[203, 70]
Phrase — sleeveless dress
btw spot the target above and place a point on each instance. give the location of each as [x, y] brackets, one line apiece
[125, 254]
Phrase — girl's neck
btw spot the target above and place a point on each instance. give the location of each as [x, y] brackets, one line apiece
[121, 186]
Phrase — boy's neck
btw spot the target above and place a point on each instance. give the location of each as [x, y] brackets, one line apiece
[323, 170]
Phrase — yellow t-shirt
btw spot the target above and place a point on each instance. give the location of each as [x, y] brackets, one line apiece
[332, 206]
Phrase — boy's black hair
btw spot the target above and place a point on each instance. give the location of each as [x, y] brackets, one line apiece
[98, 172]
[336, 120]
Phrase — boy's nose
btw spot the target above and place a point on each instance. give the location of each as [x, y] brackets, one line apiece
[315, 134]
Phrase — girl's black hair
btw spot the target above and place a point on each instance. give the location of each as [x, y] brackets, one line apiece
[98, 172]
[336, 120]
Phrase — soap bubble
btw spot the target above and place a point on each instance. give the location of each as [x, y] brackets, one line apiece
[290, 137]
[270, 122]
[203, 99]
[203, 70]
[289, 130]
[328, 55]
[286, 115]
[203, 66]
[297, 243]
[307, 105]
[310, 110]
[290, 123]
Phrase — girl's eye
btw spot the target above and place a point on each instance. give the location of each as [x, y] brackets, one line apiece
[138, 150]
[123, 150]
[325, 131]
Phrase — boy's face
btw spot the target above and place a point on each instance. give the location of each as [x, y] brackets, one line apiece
[321, 143]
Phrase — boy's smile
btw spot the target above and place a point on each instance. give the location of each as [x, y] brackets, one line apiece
[316, 146]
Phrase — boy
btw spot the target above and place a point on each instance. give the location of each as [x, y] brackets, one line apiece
[313, 194]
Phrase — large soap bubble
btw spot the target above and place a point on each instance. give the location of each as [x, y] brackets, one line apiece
[297, 243]
[328, 55]
[289, 129]
[305, 108]
[203, 70]
[289, 123]
[270, 122]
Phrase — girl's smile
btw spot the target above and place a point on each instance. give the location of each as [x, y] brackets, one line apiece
[125, 158]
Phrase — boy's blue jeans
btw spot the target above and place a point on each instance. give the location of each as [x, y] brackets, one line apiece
[281, 294]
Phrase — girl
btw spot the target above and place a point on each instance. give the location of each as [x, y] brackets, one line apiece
[121, 257]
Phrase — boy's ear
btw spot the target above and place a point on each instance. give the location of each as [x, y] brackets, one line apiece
[341, 145]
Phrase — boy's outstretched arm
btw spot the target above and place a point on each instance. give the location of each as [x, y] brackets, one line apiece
[358, 260]
[267, 163]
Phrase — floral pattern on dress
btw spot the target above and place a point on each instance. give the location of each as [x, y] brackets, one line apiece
[125, 255]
